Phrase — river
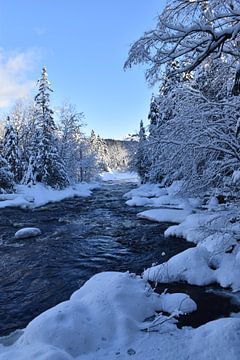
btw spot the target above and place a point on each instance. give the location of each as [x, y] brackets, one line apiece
[80, 237]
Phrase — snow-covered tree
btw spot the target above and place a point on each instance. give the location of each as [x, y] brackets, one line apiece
[190, 32]
[141, 157]
[198, 143]
[71, 138]
[45, 164]
[22, 118]
[101, 151]
[11, 151]
[6, 177]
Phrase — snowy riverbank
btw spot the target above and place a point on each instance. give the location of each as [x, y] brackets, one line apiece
[113, 316]
[39, 195]
[214, 229]
[117, 315]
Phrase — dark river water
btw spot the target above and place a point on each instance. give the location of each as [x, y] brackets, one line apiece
[81, 237]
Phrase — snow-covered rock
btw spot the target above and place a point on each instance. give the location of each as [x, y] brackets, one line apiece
[164, 215]
[27, 233]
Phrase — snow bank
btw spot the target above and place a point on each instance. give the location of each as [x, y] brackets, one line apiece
[113, 316]
[216, 258]
[120, 176]
[164, 215]
[153, 195]
[214, 230]
[109, 310]
[146, 190]
[39, 195]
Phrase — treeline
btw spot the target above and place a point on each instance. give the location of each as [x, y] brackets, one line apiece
[194, 120]
[37, 148]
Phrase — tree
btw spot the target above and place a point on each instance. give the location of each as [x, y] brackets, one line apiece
[191, 32]
[101, 151]
[71, 139]
[45, 164]
[6, 177]
[12, 152]
[198, 143]
[22, 119]
[141, 158]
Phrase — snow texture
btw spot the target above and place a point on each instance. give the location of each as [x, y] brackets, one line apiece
[113, 316]
[39, 195]
[164, 215]
[214, 229]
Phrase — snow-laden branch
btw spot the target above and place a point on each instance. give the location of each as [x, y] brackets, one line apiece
[189, 32]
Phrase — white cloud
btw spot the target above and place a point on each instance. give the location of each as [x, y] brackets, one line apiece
[15, 71]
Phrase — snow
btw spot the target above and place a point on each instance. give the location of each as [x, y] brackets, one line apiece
[152, 195]
[190, 265]
[113, 316]
[236, 176]
[214, 229]
[39, 195]
[119, 176]
[164, 215]
[27, 233]
[116, 315]
[146, 190]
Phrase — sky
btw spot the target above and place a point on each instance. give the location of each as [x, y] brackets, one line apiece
[83, 44]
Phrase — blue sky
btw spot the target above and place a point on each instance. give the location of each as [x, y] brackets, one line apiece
[84, 44]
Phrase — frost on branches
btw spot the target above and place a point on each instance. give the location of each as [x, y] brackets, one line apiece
[11, 150]
[193, 51]
[191, 32]
[6, 177]
[45, 164]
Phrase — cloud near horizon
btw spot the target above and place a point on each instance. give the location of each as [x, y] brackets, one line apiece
[15, 75]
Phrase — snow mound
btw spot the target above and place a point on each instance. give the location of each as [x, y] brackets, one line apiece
[164, 215]
[217, 339]
[153, 195]
[216, 258]
[191, 265]
[146, 190]
[109, 310]
[27, 233]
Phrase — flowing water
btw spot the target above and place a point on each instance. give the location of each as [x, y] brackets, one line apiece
[80, 237]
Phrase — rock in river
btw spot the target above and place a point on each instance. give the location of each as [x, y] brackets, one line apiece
[27, 233]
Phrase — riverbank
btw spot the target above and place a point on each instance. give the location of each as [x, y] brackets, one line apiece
[115, 315]
[214, 228]
[38, 195]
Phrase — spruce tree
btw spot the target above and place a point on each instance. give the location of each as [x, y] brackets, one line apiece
[6, 177]
[45, 164]
[141, 157]
[12, 152]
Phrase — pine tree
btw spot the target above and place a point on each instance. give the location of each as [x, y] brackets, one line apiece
[153, 116]
[12, 152]
[45, 164]
[141, 158]
[6, 177]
